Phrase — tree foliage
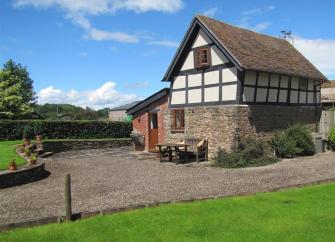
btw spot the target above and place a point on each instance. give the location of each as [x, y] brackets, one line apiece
[16, 91]
[59, 111]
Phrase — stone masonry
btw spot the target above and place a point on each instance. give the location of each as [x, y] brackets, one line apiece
[226, 125]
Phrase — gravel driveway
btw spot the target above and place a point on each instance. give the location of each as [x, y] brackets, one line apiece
[103, 179]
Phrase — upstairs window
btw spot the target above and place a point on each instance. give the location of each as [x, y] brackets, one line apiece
[202, 57]
[303, 84]
[178, 120]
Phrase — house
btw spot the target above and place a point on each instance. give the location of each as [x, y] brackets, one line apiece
[149, 119]
[328, 94]
[119, 113]
[229, 84]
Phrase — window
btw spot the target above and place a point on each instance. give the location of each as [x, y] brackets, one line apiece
[178, 120]
[303, 84]
[202, 57]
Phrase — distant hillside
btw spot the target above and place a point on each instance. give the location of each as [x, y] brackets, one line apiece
[69, 112]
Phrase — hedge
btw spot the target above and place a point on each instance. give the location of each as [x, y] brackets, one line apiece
[12, 129]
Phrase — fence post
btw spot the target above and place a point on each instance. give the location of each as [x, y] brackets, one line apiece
[68, 207]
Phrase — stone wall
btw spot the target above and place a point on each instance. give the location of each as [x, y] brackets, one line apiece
[226, 125]
[65, 145]
[24, 174]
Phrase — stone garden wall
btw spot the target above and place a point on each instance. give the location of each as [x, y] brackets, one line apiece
[23, 175]
[66, 145]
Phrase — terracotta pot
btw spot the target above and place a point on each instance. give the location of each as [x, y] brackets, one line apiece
[33, 162]
[26, 142]
[39, 138]
[12, 167]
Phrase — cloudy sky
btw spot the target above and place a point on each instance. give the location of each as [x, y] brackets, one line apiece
[104, 53]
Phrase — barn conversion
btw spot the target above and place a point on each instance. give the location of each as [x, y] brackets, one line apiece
[228, 84]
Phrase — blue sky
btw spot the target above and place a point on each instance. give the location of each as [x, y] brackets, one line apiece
[104, 53]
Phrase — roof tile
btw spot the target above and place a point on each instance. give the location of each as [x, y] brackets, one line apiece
[261, 52]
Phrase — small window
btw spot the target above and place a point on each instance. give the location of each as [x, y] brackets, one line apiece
[303, 84]
[202, 57]
[178, 120]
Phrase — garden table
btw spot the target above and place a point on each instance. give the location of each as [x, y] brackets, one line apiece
[170, 147]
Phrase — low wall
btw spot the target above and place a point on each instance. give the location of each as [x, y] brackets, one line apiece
[67, 145]
[23, 175]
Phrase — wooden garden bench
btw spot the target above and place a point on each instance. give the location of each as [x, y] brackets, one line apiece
[200, 150]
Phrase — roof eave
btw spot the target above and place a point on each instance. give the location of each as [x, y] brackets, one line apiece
[196, 20]
[161, 93]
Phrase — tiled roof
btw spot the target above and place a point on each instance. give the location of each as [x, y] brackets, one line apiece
[125, 107]
[261, 52]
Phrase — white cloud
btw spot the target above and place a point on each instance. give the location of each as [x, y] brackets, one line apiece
[249, 15]
[96, 7]
[137, 85]
[104, 96]
[78, 11]
[260, 27]
[165, 43]
[256, 11]
[319, 51]
[211, 12]
[83, 54]
[101, 35]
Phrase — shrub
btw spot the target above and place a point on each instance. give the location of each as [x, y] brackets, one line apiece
[331, 137]
[28, 132]
[12, 129]
[251, 153]
[294, 141]
[38, 128]
[284, 145]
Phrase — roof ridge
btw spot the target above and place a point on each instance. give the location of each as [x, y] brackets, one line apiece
[263, 46]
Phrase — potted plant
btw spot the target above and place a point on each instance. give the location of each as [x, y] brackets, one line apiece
[12, 166]
[38, 130]
[331, 138]
[33, 159]
[27, 135]
[26, 152]
[21, 149]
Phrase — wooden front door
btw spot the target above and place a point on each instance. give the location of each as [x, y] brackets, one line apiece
[153, 131]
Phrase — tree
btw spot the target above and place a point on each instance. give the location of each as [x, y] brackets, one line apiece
[16, 91]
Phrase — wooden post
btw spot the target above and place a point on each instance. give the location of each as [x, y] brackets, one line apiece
[68, 207]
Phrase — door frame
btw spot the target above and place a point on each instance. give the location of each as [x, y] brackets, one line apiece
[151, 147]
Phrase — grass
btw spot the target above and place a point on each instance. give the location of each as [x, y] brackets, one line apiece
[8, 153]
[304, 214]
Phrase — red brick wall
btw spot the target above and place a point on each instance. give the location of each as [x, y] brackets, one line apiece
[141, 120]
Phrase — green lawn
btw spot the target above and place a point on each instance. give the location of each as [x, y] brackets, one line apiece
[305, 214]
[7, 153]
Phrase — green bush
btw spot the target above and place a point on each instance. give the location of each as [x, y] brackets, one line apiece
[38, 128]
[251, 153]
[294, 141]
[331, 137]
[284, 145]
[12, 129]
[28, 132]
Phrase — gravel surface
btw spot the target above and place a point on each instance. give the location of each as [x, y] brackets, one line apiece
[113, 178]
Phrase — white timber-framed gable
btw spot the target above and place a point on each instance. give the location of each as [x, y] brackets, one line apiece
[216, 83]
